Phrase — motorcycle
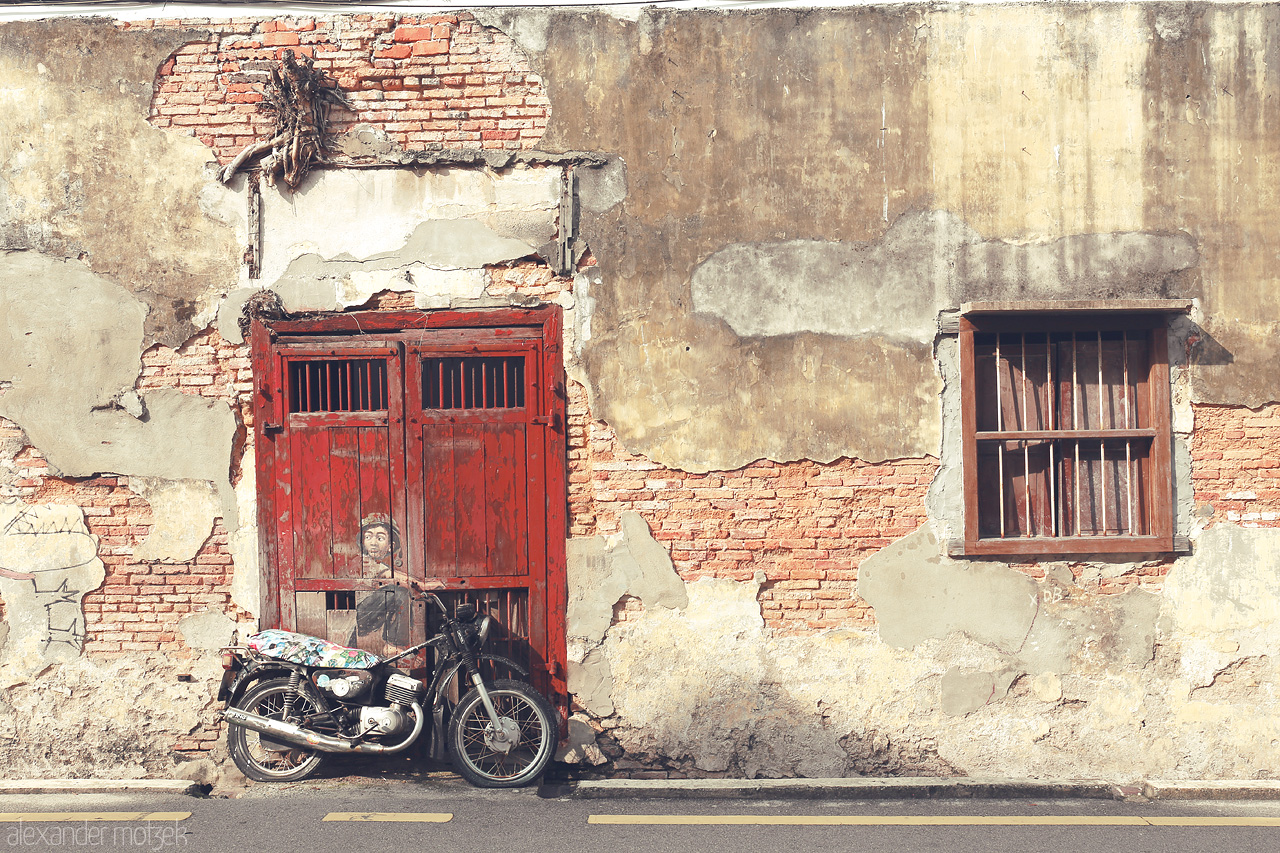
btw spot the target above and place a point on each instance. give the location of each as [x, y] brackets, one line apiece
[291, 699]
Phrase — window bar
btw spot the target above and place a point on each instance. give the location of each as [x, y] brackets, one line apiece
[440, 383]
[506, 383]
[1048, 416]
[1026, 447]
[346, 387]
[1000, 427]
[1128, 442]
[485, 401]
[1075, 422]
[1102, 445]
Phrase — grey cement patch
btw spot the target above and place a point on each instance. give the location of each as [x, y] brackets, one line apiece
[925, 262]
[71, 345]
[83, 175]
[964, 692]
[892, 287]
[601, 572]
[209, 630]
[183, 516]
[602, 188]
[918, 594]
[1080, 266]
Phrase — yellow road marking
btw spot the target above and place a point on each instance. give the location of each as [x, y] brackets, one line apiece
[924, 820]
[393, 817]
[32, 817]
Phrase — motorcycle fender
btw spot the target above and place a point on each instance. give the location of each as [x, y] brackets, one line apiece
[442, 680]
[253, 672]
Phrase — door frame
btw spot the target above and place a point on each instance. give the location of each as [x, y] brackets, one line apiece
[269, 412]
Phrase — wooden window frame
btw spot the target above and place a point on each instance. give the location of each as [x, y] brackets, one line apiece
[1157, 481]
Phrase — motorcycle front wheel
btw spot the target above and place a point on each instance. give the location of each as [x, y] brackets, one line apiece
[257, 755]
[511, 754]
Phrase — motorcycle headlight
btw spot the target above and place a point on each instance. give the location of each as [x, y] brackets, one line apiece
[482, 629]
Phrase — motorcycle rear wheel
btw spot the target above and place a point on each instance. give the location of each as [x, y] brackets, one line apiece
[525, 713]
[259, 757]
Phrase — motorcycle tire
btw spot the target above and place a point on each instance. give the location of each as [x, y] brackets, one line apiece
[471, 742]
[257, 755]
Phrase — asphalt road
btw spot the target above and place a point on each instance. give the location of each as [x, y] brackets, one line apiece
[438, 812]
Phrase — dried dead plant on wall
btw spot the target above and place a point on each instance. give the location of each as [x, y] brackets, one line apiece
[300, 98]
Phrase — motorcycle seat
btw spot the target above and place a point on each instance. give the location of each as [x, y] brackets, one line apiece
[310, 651]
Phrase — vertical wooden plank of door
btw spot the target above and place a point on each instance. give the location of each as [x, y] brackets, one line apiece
[274, 510]
[506, 508]
[345, 466]
[471, 517]
[311, 614]
[375, 491]
[549, 495]
[341, 627]
[543, 608]
[311, 501]
[440, 545]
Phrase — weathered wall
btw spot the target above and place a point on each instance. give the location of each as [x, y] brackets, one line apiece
[762, 455]
[798, 210]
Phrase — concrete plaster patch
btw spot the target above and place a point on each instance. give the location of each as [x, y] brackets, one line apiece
[891, 287]
[1230, 584]
[600, 572]
[925, 262]
[71, 345]
[48, 562]
[183, 512]
[385, 218]
[85, 176]
[208, 630]
[918, 593]
[964, 692]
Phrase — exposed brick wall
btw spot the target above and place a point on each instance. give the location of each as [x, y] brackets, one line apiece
[138, 606]
[442, 81]
[1235, 455]
[806, 526]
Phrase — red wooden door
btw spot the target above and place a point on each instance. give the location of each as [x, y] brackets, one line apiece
[424, 452]
[476, 410]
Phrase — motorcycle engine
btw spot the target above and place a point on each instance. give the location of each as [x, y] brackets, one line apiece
[383, 721]
[343, 684]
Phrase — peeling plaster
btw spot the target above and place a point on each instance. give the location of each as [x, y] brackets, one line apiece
[208, 630]
[917, 594]
[600, 573]
[48, 561]
[347, 235]
[71, 345]
[183, 515]
[85, 176]
[455, 218]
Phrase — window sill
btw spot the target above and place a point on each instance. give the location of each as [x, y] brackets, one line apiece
[1045, 546]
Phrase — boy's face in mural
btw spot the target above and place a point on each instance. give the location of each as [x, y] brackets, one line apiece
[377, 543]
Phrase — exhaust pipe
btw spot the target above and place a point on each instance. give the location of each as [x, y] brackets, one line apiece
[307, 739]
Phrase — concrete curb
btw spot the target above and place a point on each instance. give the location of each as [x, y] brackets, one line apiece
[903, 788]
[166, 787]
[1226, 789]
[907, 788]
